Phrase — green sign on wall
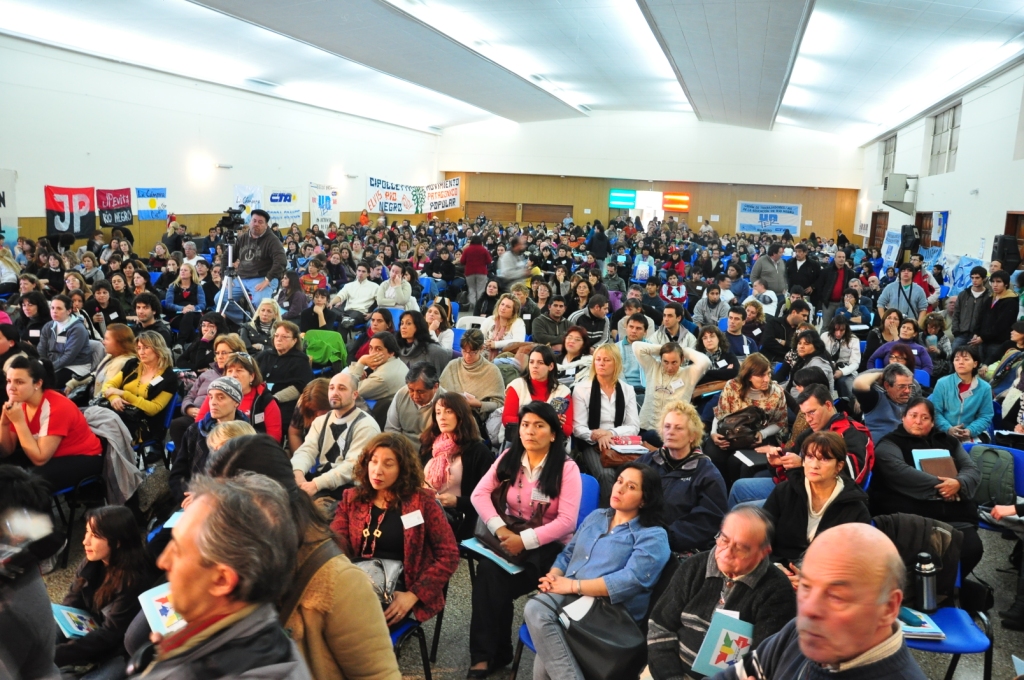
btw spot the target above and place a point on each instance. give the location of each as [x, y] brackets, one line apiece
[622, 198]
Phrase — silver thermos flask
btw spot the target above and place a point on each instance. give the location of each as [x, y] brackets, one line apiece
[925, 574]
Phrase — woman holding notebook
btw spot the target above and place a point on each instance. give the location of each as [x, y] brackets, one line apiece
[902, 481]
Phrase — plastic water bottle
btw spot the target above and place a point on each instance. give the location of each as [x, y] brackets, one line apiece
[925, 574]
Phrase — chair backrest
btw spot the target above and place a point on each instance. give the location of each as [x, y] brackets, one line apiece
[98, 352]
[589, 499]
[922, 377]
[172, 408]
[455, 310]
[863, 346]
[396, 314]
[154, 277]
[467, 322]
[723, 324]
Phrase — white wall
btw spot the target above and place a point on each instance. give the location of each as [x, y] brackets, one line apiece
[68, 119]
[658, 146]
[989, 128]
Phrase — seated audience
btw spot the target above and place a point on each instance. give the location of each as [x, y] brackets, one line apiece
[1003, 311]
[378, 321]
[963, 402]
[12, 346]
[325, 462]
[817, 496]
[257, 404]
[780, 334]
[850, 592]
[258, 333]
[35, 314]
[754, 321]
[736, 575]
[909, 333]
[64, 342]
[537, 382]
[147, 311]
[809, 352]
[388, 372]
[882, 396]
[413, 404]
[438, 320]
[843, 350]
[693, 487]
[630, 550]
[938, 344]
[724, 364]
[200, 352]
[389, 477]
[319, 316]
[504, 327]
[144, 387]
[107, 584]
[474, 377]
[898, 485]
[887, 332]
[102, 308]
[576, 360]
[454, 459]
[415, 343]
[285, 367]
[119, 347]
[529, 500]
[291, 298]
[739, 343]
[551, 325]
[312, 403]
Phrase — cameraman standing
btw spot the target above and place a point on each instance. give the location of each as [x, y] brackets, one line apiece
[260, 262]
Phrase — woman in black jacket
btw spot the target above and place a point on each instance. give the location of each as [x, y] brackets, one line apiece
[291, 298]
[816, 497]
[488, 302]
[35, 314]
[115, 571]
[199, 354]
[451, 435]
[285, 367]
[724, 364]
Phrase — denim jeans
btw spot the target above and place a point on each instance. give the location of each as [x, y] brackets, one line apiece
[554, 658]
[753, 490]
[234, 311]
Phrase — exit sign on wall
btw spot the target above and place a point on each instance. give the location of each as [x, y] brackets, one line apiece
[675, 202]
[622, 198]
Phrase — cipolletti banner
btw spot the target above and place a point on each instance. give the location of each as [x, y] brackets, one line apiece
[115, 207]
[8, 202]
[407, 199]
[70, 211]
[152, 203]
[323, 205]
[284, 205]
[768, 218]
[249, 196]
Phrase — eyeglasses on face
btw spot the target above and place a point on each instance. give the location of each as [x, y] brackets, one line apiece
[735, 548]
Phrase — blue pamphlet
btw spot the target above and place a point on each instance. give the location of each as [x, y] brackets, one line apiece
[74, 622]
[919, 625]
[173, 519]
[727, 640]
[479, 548]
[923, 454]
[156, 605]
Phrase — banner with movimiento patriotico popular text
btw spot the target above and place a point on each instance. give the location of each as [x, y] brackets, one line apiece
[768, 218]
[408, 199]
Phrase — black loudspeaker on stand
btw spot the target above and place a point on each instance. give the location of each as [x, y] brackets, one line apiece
[1004, 249]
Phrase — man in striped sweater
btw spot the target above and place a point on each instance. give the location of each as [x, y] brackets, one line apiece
[737, 575]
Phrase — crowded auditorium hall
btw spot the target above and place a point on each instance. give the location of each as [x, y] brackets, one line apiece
[575, 340]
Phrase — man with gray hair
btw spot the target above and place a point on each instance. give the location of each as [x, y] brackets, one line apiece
[849, 595]
[882, 396]
[737, 575]
[231, 555]
[191, 253]
[410, 410]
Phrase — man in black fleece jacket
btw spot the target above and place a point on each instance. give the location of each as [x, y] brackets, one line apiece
[850, 593]
[738, 570]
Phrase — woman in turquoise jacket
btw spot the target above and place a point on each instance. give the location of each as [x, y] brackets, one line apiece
[963, 404]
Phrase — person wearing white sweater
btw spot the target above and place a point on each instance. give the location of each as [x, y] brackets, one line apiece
[357, 296]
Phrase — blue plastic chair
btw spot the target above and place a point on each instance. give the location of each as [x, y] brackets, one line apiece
[154, 277]
[963, 636]
[455, 311]
[723, 324]
[943, 291]
[71, 498]
[863, 346]
[396, 314]
[457, 340]
[588, 503]
[1018, 475]
[922, 377]
[169, 412]
[405, 630]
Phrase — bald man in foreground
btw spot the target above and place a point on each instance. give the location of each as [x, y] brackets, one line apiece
[845, 628]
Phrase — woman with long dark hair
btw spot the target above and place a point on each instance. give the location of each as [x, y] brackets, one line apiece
[810, 352]
[576, 360]
[529, 500]
[908, 335]
[843, 348]
[35, 313]
[116, 570]
[537, 382]
[415, 343]
[454, 459]
[486, 303]
[291, 298]
[11, 346]
[714, 345]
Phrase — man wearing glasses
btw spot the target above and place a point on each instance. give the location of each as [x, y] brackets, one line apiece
[737, 576]
[882, 396]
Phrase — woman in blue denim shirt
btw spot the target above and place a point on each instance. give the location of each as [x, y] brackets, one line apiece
[617, 553]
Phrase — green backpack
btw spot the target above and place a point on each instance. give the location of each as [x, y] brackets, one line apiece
[996, 467]
[326, 347]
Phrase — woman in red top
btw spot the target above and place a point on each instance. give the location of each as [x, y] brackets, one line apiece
[476, 258]
[538, 382]
[258, 404]
[43, 431]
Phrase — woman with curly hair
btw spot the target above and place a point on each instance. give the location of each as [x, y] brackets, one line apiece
[371, 521]
[715, 346]
[754, 321]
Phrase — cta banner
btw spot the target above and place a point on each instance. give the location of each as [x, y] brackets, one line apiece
[284, 205]
[152, 203]
[115, 207]
[323, 205]
[249, 196]
[8, 204]
[70, 211]
[407, 199]
[768, 218]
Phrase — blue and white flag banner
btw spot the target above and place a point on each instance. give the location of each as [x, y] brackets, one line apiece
[152, 203]
[284, 205]
[891, 246]
[250, 196]
[768, 218]
[323, 205]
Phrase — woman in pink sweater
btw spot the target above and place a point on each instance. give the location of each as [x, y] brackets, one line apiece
[537, 482]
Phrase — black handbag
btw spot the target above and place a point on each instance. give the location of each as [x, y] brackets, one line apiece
[741, 428]
[606, 642]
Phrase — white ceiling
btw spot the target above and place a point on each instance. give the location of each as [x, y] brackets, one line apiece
[862, 67]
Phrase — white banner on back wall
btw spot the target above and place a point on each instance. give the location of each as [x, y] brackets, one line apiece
[391, 198]
[249, 195]
[768, 218]
[8, 202]
[323, 205]
[284, 205]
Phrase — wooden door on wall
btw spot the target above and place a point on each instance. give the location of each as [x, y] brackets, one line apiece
[879, 223]
[923, 222]
[496, 212]
[539, 212]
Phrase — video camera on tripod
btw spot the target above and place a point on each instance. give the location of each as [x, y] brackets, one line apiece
[231, 222]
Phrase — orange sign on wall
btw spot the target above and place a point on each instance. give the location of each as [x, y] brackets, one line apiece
[675, 202]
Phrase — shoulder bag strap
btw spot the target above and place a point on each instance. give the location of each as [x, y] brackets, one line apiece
[324, 553]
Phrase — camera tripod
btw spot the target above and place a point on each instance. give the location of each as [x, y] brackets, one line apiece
[227, 285]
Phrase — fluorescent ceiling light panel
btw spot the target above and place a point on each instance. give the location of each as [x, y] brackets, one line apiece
[185, 39]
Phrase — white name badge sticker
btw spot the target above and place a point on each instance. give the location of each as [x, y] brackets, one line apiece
[527, 317]
[746, 349]
[285, 304]
[113, 315]
[412, 519]
[539, 496]
[61, 340]
[156, 381]
[757, 331]
[722, 363]
[257, 419]
[270, 386]
[675, 384]
[914, 351]
[570, 371]
[33, 334]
